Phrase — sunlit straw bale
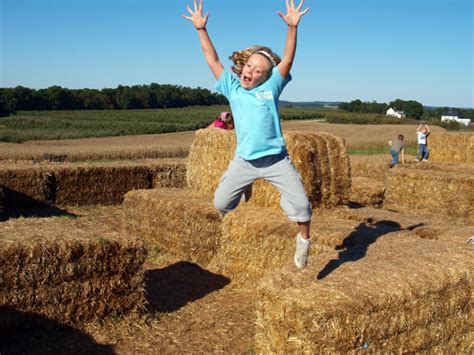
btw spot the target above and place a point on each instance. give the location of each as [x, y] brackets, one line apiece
[315, 156]
[255, 241]
[178, 221]
[401, 295]
[433, 191]
[59, 268]
[367, 191]
[451, 147]
[370, 166]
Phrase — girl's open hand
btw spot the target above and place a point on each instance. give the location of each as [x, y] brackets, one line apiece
[196, 16]
[293, 15]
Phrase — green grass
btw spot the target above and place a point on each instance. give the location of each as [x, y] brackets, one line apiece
[42, 125]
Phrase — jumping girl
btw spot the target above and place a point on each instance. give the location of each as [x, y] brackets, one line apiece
[253, 91]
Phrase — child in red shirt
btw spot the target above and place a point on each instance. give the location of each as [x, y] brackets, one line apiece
[224, 121]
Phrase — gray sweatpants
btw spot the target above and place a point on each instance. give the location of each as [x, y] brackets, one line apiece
[282, 174]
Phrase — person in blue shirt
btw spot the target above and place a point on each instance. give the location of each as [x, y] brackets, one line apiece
[253, 88]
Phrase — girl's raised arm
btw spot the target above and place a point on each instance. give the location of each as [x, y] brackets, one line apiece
[208, 49]
[292, 19]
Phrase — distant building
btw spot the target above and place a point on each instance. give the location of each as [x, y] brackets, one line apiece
[398, 114]
[453, 116]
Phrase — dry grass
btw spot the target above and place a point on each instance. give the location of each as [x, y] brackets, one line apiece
[178, 144]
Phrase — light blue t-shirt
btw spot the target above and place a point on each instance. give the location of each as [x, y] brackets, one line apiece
[255, 111]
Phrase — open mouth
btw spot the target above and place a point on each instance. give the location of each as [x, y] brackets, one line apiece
[247, 80]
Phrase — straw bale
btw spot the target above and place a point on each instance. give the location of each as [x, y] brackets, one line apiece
[255, 240]
[169, 175]
[401, 295]
[452, 147]
[321, 160]
[24, 187]
[58, 268]
[367, 191]
[430, 191]
[178, 221]
[98, 184]
[370, 166]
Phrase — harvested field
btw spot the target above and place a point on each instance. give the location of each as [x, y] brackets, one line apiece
[178, 144]
[370, 166]
[360, 136]
[111, 148]
[321, 159]
[430, 191]
[180, 222]
[69, 269]
[367, 191]
[82, 184]
[352, 306]
[452, 147]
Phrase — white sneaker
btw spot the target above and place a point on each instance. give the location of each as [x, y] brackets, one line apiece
[302, 251]
[425, 160]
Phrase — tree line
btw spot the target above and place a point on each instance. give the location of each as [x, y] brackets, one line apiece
[412, 109]
[121, 98]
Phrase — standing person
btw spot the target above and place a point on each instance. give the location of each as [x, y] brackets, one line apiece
[396, 148]
[253, 91]
[423, 133]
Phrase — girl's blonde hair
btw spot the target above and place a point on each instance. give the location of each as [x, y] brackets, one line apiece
[241, 57]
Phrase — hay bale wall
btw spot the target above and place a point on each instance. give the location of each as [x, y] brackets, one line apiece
[86, 184]
[321, 159]
[256, 241]
[367, 191]
[55, 267]
[24, 187]
[370, 166]
[181, 222]
[404, 295]
[451, 147]
[430, 191]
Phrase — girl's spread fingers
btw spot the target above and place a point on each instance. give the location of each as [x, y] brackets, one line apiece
[195, 6]
[200, 5]
[287, 5]
[305, 11]
[300, 5]
[189, 9]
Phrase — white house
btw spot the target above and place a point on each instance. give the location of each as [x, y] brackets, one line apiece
[398, 114]
[452, 116]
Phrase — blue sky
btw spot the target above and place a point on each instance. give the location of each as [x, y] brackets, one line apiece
[368, 49]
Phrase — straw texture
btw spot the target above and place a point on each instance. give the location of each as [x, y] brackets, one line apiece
[452, 147]
[29, 185]
[321, 159]
[404, 295]
[367, 191]
[181, 222]
[430, 190]
[57, 268]
[256, 241]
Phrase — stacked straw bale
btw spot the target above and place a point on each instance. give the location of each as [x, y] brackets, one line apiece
[367, 191]
[180, 222]
[370, 166]
[321, 159]
[57, 268]
[25, 187]
[433, 191]
[256, 241]
[452, 147]
[404, 295]
[87, 184]
[98, 185]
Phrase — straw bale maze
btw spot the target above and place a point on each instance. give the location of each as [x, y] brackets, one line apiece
[131, 257]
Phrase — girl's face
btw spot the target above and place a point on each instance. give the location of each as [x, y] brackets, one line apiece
[255, 71]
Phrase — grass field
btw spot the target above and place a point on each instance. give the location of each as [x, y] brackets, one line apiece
[42, 125]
